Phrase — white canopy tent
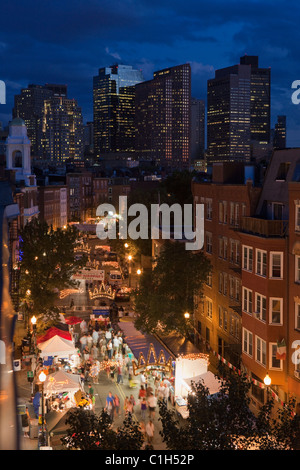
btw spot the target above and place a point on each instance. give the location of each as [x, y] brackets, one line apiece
[57, 346]
[208, 379]
[62, 381]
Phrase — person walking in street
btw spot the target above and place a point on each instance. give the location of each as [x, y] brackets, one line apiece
[120, 373]
[142, 392]
[25, 422]
[152, 402]
[143, 409]
[83, 342]
[166, 394]
[132, 401]
[117, 406]
[150, 431]
[110, 406]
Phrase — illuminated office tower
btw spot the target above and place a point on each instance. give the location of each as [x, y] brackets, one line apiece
[113, 108]
[279, 140]
[197, 129]
[29, 106]
[63, 131]
[228, 114]
[163, 117]
[260, 105]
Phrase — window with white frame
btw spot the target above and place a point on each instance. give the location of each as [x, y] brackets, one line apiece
[274, 362]
[247, 300]
[209, 308]
[276, 265]
[225, 319]
[297, 218]
[275, 310]
[261, 263]
[209, 279]
[297, 268]
[297, 316]
[261, 351]
[260, 306]
[231, 214]
[208, 242]
[247, 342]
[247, 258]
[237, 289]
[209, 209]
[220, 317]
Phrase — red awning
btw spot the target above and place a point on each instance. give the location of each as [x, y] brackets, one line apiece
[54, 332]
[73, 320]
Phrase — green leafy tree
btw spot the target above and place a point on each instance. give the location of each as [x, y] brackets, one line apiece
[89, 431]
[47, 264]
[225, 422]
[169, 290]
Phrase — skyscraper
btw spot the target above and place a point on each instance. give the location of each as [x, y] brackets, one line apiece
[113, 108]
[238, 114]
[29, 106]
[197, 129]
[163, 117]
[260, 106]
[63, 131]
[279, 140]
[54, 122]
[228, 114]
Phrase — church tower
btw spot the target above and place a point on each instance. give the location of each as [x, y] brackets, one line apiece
[18, 152]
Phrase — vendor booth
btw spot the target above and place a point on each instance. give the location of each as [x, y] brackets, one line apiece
[57, 346]
[189, 370]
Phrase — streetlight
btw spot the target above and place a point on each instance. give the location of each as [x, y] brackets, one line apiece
[267, 380]
[186, 315]
[33, 322]
[139, 272]
[42, 378]
[126, 245]
[129, 269]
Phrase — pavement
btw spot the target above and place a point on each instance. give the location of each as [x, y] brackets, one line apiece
[101, 390]
[105, 385]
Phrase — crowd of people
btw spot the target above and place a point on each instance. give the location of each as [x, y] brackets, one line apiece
[103, 349]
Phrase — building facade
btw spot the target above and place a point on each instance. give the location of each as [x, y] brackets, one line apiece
[113, 105]
[226, 198]
[163, 117]
[238, 111]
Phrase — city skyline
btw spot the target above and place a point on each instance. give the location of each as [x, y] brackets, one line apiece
[150, 38]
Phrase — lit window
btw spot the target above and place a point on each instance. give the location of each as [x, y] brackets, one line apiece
[247, 300]
[247, 258]
[261, 307]
[261, 355]
[276, 265]
[274, 362]
[276, 311]
[247, 342]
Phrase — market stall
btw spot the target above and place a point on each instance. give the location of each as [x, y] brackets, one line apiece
[51, 332]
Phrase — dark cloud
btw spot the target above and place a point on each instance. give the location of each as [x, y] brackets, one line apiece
[67, 41]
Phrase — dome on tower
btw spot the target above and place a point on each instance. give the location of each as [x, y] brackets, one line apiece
[17, 122]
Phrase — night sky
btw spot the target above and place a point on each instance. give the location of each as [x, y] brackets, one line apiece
[67, 41]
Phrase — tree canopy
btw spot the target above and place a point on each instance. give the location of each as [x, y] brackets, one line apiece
[89, 431]
[224, 421]
[169, 290]
[47, 263]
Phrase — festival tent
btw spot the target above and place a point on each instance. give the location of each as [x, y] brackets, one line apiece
[53, 331]
[73, 320]
[208, 379]
[57, 346]
[62, 381]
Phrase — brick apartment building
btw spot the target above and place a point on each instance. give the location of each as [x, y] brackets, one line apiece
[251, 302]
[53, 205]
[227, 197]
